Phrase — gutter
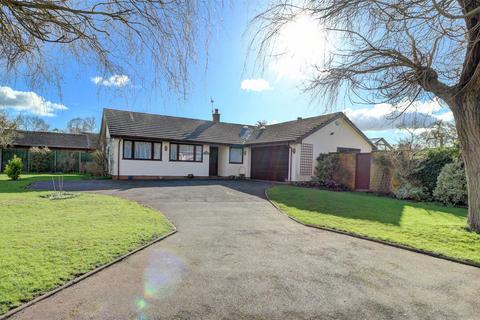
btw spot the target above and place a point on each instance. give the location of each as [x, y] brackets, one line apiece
[118, 159]
[290, 163]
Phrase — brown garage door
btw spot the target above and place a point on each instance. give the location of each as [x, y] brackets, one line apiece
[270, 163]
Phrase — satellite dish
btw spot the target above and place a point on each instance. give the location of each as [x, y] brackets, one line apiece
[245, 132]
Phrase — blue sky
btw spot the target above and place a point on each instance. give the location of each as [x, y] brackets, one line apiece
[242, 95]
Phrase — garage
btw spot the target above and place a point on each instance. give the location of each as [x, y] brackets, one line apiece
[270, 163]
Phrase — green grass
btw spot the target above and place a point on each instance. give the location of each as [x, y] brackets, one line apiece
[44, 243]
[426, 226]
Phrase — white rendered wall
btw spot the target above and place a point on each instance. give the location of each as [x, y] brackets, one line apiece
[326, 140]
[226, 169]
[160, 168]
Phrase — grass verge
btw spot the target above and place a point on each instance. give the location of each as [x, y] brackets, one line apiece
[45, 243]
[425, 226]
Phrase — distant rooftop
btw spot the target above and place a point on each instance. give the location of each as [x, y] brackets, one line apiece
[82, 141]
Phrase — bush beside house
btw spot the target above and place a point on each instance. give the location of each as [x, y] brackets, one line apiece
[331, 172]
[98, 165]
[422, 175]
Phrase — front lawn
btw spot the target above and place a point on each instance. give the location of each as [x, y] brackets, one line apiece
[425, 226]
[44, 243]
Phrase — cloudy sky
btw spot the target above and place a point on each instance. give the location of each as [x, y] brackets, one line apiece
[241, 92]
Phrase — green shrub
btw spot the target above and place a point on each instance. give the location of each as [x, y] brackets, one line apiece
[97, 166]
[433, 160]
[409, 191]
[406, 183]
[451, 185]
[14, 168]
[327, 164]
[40, 159]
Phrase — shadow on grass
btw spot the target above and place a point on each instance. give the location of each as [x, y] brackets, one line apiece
[350, 205]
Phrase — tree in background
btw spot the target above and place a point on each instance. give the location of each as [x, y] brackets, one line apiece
[114, 36]
[440, 134]
[261, 123]
[79, 125]
[32, 123]
[397, 52]
[7, 130]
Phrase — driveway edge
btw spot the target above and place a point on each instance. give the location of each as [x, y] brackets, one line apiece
[85, 276]
[391, 244]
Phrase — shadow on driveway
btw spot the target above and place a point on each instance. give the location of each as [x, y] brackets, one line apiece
[254, 188]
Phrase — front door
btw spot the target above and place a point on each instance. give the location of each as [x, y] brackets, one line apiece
[213, 162]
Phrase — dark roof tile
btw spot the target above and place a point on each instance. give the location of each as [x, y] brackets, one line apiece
[83, 141]
[143, 125]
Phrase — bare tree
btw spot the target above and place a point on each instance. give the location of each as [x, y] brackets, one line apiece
[7, 130]
[397, 51]
[79, 125]
[116, 36]
[32, 123]
[440, 134]
[89, 124]
[261, 123]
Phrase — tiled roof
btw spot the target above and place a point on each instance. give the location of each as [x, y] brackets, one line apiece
[83, 141]
[153, 126]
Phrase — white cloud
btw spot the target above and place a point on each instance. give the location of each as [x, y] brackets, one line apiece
[117, 80]
[255, 85]
[273, 122]
[447, 116]
[421, 114]
[28, 102]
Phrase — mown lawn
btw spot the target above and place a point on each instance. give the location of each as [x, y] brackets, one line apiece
[44, 243]
[426, 226]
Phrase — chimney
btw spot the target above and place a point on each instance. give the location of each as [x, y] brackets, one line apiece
[216, 116]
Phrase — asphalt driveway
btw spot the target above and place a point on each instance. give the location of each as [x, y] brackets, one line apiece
[236, 257]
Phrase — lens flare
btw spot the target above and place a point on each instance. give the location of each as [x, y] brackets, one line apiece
[161, 277]
[140, 303]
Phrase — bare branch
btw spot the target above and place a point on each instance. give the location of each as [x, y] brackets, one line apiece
[115, 36]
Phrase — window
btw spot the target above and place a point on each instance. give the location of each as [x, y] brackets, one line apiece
[348, 150]
[127, 149]
[236, 155]
[186, 152]
[157, 151]
[173, 151]
[142, 150]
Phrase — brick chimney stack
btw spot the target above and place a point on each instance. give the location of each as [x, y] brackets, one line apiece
[216, 116]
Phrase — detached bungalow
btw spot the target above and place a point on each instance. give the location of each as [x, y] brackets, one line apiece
[151, 146]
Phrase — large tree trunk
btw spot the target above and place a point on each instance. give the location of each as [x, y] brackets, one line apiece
[467, 117]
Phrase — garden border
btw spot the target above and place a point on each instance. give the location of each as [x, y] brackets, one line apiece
[384, 242]
[85, 275]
